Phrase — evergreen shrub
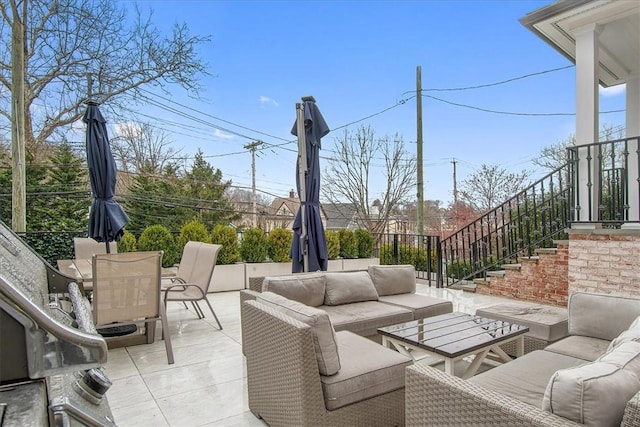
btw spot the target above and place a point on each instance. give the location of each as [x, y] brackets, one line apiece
[128, 242]
[253, 246]
[227, 237]
[279, 245]
[364, 240]
[333, 244]
[348, 244]
[158, 238]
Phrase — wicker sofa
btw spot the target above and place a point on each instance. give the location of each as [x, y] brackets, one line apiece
[591, 377]
[357, 301]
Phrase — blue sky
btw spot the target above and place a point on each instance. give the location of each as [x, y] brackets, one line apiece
[358, 58]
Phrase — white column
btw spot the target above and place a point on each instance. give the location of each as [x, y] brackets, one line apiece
[587, 109]
[633, 130]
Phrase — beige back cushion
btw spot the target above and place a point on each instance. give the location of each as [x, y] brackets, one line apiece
[601, 316]
[307, 288]
[393, 279]
[347, 287]
[631, 334]
[596, 393]
[324, 336]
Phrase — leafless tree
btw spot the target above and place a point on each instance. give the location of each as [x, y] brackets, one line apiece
[490, 185]
[353, 165]
[139, 146]
[80, 49]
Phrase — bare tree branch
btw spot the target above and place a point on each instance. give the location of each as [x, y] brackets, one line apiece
[349, 173]
[69, 40]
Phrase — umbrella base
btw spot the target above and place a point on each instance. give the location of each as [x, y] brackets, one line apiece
[117, 331]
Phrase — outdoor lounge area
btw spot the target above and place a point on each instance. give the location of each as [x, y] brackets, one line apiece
[207, 385]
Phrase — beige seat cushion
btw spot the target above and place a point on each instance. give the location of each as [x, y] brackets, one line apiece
[525, 378]
[422, 306]
[307, 288]
[545, 323]
[368, 370]
[348, 287]
[393, 279]
[324, 337]
[596, 393]
[586, 348]
[364, 318]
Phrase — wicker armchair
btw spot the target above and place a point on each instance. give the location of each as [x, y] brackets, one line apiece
[283, 381]
[437, 399]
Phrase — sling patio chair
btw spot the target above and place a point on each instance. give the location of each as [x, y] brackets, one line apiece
[192, 279]
[126, 290]
[85, 247]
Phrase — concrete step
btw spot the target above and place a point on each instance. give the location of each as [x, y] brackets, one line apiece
[464, 285]
[549, 251]
[496, 273]
[512, 266]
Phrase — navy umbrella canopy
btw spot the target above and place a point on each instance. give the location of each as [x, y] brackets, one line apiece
[309, 241]
[106, 217]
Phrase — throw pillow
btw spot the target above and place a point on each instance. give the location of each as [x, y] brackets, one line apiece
[305, 288]
[631, 334]
[393, 279]
[596, 393]
[347, 287]
[324, 336]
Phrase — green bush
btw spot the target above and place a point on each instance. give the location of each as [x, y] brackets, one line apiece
[365, 242]
[279, 244]
[348, 244]
[253, 247]
[333, 244]
[193, 231]
[158, 238]
[127, 243]
[227, 237]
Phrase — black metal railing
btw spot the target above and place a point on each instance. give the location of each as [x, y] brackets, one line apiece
[421, 251]
[604, 175]
[529, 220]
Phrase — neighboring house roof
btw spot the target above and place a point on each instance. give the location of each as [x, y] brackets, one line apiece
[340, 215]
[618, 35]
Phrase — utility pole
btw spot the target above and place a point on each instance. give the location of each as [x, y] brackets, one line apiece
[455, 183]
[18, 128]
[420, 182]
[253, 147]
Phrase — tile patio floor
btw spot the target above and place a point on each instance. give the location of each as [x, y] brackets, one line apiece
[207, 384]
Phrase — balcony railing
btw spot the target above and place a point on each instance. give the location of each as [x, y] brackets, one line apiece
[606, 181]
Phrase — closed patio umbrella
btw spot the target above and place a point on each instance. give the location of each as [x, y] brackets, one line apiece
[309, 246]
[106, 217]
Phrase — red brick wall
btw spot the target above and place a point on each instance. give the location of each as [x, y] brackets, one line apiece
[541, 279]
[605, 261]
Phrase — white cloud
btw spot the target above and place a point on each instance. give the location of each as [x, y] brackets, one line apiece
[220, 134]
[267, 100]
[613, 90]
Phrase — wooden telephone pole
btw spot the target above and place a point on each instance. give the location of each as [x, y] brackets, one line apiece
[253, 147]
[420, 179]
[18, 129]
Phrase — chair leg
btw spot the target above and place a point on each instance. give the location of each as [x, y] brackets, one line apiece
[197, 309]
[213, 312]
[166, 336]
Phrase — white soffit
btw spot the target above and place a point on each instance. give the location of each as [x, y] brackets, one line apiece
[618, 22]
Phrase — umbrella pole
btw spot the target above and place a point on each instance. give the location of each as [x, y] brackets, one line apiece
[302, 179]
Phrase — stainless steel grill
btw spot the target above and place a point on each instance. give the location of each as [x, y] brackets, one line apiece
[50, 353]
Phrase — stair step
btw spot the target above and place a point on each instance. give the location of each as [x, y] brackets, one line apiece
[549, 251]
[512, 266]
[466, 286]
[530, 258]
[496, 273]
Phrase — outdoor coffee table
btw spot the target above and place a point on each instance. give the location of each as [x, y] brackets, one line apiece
[452, 337]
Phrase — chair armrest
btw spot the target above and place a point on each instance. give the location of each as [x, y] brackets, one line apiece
[436, 398]
[248, 295]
